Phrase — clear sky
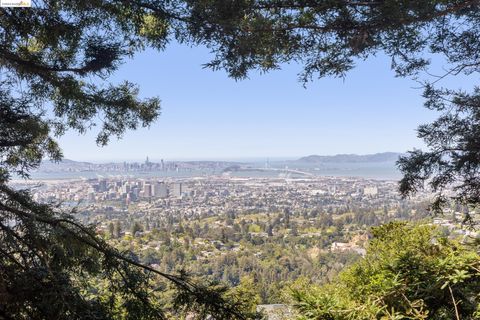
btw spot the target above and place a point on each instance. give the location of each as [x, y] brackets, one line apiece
[206, 115]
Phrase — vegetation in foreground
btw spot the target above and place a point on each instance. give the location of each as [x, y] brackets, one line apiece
[409, 272]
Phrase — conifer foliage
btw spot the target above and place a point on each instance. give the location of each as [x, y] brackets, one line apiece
[55, 62]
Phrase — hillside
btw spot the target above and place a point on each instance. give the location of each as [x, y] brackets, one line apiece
[352, 158]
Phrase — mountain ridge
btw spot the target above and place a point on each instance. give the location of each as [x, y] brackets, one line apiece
[351, 158]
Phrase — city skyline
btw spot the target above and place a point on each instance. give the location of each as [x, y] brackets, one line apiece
[264, 159]
[206, 115]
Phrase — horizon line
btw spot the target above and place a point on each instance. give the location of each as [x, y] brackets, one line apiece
[219, 158]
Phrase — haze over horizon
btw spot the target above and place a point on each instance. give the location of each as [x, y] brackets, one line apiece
[233, 159]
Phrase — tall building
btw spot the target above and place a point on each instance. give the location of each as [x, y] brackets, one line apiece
[177, 189]
[102, 186]
[135, 193]
[126, 187]
[160, 190]
[147, 190]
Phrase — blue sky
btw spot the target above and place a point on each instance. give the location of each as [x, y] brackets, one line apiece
[206, 115]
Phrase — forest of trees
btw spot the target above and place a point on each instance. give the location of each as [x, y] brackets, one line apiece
[273, 248]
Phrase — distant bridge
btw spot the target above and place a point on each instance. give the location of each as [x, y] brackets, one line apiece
[287, 171]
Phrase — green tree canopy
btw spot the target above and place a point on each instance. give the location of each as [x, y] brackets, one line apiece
[453, 161]
[55, 62]
[329, 37]
[409, 272]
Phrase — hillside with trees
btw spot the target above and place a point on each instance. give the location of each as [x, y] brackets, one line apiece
[409, 272]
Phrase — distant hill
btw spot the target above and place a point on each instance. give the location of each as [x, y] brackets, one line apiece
[352, 158]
